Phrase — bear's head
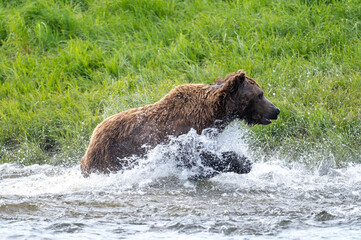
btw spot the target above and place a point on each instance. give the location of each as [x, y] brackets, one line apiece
[243, 98]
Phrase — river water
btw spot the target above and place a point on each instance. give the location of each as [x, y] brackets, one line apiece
[278, 199]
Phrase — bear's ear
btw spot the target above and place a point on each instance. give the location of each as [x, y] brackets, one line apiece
[233, 82]
[219, 79]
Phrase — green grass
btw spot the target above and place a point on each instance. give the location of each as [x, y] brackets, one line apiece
[66, 65]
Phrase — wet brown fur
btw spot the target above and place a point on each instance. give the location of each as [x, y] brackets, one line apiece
[196, 106]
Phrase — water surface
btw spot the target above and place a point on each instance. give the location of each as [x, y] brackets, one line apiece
[156, 200]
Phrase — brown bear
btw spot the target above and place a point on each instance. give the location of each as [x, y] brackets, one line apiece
[197, 106]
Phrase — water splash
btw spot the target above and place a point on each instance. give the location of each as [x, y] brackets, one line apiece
[162, 162]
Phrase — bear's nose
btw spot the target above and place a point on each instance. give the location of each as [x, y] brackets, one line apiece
[278, 111]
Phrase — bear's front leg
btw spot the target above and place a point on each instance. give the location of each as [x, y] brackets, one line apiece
[236, 163]
[229, 162]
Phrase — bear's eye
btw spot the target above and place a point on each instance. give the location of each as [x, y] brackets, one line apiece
[260, 96]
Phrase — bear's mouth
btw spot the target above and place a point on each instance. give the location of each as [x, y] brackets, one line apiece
[261, 120]
[265, 121]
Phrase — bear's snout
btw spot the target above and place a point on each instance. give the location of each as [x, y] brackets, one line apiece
[275, 113]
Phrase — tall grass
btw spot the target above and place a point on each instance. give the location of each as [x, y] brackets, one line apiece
[65, 65]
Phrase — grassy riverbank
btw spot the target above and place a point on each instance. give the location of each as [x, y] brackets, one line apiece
[66, 65]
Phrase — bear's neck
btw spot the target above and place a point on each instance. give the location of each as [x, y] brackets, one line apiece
[206, 110]
[226, 112]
